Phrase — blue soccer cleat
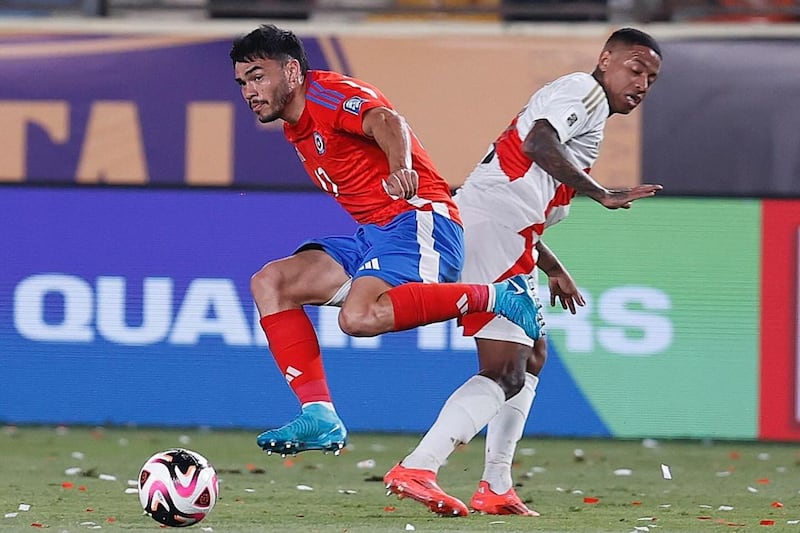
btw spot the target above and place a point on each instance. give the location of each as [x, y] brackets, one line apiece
[317, 428]
[515, 298]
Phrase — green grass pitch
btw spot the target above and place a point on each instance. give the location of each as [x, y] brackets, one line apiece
[612, 486]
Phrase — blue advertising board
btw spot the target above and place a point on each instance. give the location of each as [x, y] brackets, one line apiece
[132, 306]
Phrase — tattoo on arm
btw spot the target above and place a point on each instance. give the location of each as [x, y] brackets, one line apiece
[543, 146]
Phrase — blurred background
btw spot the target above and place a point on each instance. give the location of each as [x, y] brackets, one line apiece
[138, 195]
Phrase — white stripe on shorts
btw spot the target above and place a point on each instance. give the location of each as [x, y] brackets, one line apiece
[429, 260]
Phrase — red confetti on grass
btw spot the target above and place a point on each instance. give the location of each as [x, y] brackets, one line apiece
[67, 485]
[37, 524]
[89, 510]
[288, 463]
[250, 467]
[636, 503]
[389, 509]
[767, 523]
[734, 455]
[704, 518]
[763, 481]
[82, 488]
[776, 505]
[111, 519]
[590, 499]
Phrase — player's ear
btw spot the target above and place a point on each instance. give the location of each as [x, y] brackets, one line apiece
[293, 72]
[604, 60]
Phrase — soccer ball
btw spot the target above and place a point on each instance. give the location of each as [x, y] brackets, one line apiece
[178, 487]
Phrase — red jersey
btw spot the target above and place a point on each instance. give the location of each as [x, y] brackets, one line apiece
[349, 165]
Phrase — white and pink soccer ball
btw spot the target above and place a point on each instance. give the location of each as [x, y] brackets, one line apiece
[178, 487]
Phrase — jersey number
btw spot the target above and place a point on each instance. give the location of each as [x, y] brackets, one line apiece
[325, 181]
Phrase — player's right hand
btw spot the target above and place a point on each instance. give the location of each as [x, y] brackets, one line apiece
[402, 183]
[623, 198]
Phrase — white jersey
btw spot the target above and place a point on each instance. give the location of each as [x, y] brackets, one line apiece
[508, 200]
[510, 188]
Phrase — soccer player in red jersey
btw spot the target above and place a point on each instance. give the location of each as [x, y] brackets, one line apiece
[523, 185]
[386, 276]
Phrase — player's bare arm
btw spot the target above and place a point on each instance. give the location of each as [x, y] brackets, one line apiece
[544, 146]
[561, 284]
[390, 130]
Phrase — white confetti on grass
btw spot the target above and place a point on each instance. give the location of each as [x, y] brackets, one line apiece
[24, 507]
[131, 490]
[348, 491]
[11, 515]
[666, 472]
[752, 490]
[623, 472]
[304, 488]
[410, 527]
[724, 473]
[725, 508]
[366, 463]
[72, 471]
[107, 477]
[78, 455]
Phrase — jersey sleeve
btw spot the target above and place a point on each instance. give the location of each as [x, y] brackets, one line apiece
[357, 99]
[567, 104]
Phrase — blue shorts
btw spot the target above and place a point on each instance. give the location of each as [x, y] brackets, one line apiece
[420, 246]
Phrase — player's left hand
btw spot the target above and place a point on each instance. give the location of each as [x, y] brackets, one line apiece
[623, 198]
[563, 287]
[402, 183]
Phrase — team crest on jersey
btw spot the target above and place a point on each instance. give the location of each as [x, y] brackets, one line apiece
[353, 104]
[319, 143]
[572, 119]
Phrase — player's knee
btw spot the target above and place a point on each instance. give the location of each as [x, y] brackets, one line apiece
[537, 358]
[265, 284]
[357, 322]
[512, 382]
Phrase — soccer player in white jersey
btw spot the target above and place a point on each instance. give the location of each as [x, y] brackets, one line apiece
[523, 185]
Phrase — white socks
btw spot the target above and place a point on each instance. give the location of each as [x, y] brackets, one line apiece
[464, 414]
[504, 431]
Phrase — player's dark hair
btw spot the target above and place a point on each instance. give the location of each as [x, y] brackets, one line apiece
[632, 36]
[269, 42]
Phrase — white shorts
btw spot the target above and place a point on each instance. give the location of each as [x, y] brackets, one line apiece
[494, 252]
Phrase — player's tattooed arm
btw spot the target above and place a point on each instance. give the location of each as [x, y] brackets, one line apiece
[544, 146]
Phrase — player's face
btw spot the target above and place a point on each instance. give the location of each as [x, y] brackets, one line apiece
[265, 87]
[628, 74]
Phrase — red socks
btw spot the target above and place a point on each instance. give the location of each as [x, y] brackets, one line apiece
[416, 304]
[295, 348]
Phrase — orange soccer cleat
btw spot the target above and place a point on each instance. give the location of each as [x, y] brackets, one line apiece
[420, 485]
[486, 501]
